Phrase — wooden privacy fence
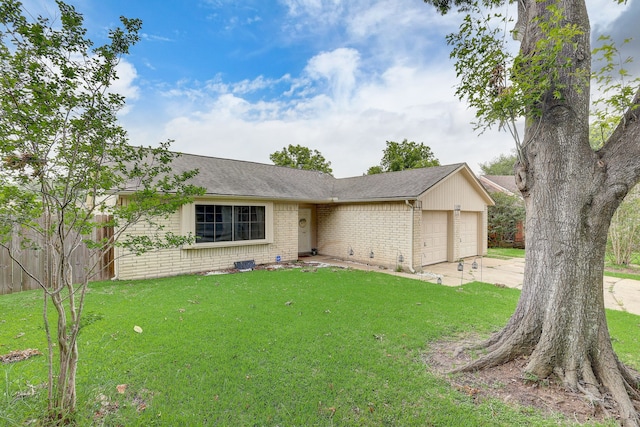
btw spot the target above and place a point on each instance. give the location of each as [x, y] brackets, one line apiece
[14, 279]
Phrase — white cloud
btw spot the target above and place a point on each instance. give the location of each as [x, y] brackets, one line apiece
[338, 68]
[125, 83]
[155, 38]
[603, 13]
[325, 11]
[349, 122]
[381, 73]
[257, 84]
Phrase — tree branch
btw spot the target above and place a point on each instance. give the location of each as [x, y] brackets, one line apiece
[621, 152]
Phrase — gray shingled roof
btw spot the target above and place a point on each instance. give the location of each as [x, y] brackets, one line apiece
[225, 177]
[409, 183]
[239, 178]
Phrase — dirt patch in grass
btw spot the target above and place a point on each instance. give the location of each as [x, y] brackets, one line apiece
[506, 383]
[19, 355]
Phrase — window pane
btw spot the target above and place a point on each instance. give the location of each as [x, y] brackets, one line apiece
[227, 213]
[223, 232]
[242, 213]
[199, 232]
[224, 223]
[208, 232]
[242, 231]
[257, 231]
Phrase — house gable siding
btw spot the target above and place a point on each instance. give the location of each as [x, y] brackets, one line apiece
[458, 195]
[456, 189]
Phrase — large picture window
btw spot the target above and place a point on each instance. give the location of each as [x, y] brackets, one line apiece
[229, 223]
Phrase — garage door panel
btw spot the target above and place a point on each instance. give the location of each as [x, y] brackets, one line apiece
[435, 236]
[468, 234]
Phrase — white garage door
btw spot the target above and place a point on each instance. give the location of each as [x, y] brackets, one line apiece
[434, 236]
[468, 234]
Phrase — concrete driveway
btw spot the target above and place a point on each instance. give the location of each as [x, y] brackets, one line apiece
[619, 294]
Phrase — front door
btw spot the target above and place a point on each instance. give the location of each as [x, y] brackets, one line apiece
[304, 230]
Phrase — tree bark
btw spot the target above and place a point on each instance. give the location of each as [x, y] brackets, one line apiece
[570, 193]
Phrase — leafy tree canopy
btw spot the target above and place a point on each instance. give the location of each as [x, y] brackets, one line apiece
[503, 218]
[501, 165]
[63, 160]
[299, 157]
[403, 155]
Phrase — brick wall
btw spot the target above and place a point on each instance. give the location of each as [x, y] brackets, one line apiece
[381, 228]
[171, 262]
[455, 237]
[417, 239]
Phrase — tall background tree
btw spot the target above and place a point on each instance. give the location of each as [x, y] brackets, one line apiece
[507, 214]
[299, 157]
[403, 155]
[503, 220]
[624, 233]
[501, 165]
[571, 191]
[63, 157]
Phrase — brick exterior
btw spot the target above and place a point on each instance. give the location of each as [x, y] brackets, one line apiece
[349, 231]
[455, 239]
[417, 240]
[381, 228]
[171, 262]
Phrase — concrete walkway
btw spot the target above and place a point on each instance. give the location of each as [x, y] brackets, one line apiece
[619, 294]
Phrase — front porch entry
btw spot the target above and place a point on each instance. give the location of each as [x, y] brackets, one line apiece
[304, 230]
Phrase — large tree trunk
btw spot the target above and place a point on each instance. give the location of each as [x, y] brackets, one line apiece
[570, 195]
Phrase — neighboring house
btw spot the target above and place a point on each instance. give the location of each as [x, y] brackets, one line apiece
[267, 213]
[506, 184]
[502, 183]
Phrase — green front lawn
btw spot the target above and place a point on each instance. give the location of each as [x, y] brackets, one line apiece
[505, 253]
[300, 347]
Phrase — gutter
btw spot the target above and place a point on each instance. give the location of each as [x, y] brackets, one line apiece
[411, 220]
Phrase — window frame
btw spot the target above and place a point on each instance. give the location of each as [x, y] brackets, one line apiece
[189, 223]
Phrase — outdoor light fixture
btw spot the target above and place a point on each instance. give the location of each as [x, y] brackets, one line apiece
[371, 254]
[474, 265]
[460, 269]
[400, 258]
[350, 251]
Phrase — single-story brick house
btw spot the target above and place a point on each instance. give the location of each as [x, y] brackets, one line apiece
[268, 213]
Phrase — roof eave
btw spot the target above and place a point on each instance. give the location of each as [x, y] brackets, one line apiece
[376, 200]
[250, 197]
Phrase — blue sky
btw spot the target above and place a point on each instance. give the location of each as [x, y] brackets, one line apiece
[242, 79]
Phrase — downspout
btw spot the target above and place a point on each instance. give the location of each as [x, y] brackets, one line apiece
[411, 220]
